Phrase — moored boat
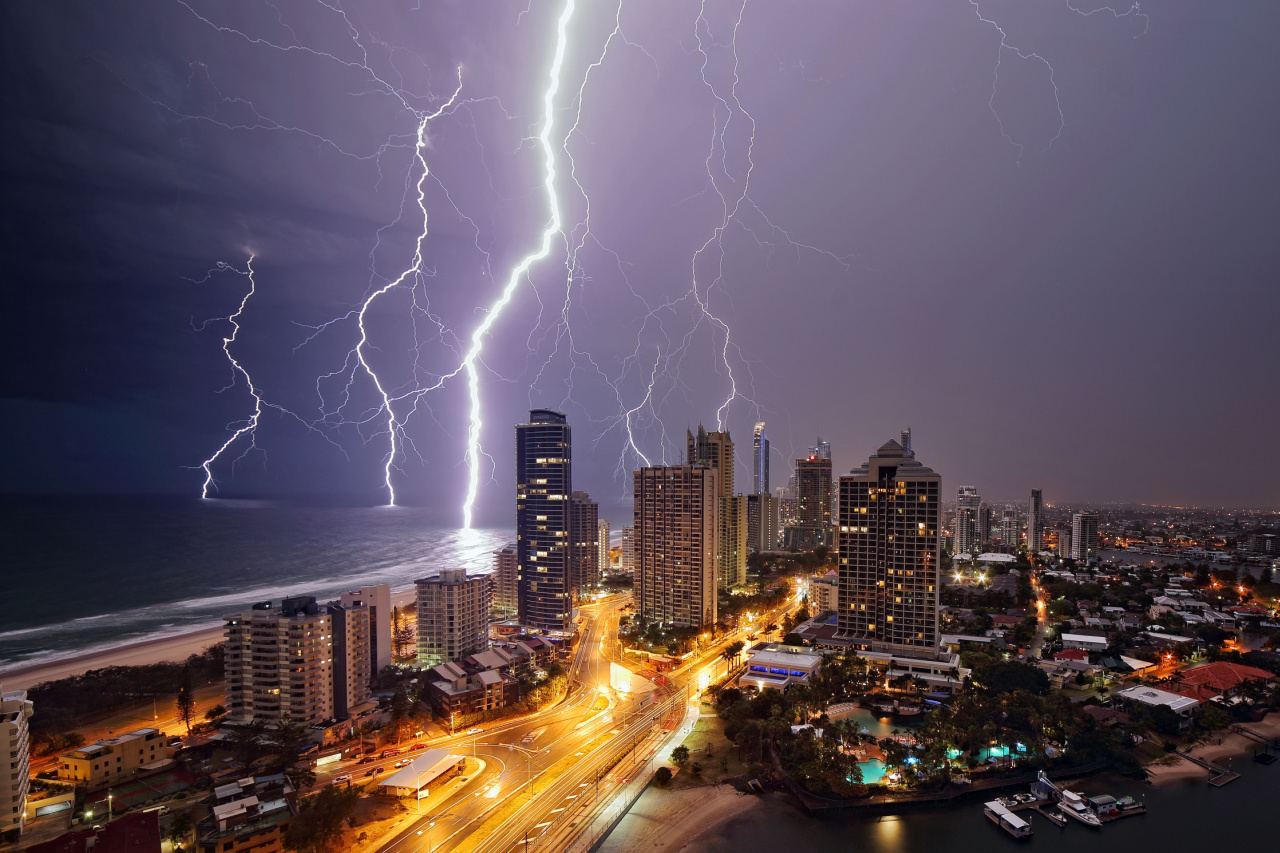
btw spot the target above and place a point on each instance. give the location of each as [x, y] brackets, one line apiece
[1007, 820]
[1073, 805]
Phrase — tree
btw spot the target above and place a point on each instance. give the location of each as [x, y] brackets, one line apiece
[662, 776]
[402, 633]
[680, 754]
[180, 829]
[215, 712]
[318, 826]
[186, 699]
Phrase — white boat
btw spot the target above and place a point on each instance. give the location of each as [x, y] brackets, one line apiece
[1007, 820]
[1073, 805]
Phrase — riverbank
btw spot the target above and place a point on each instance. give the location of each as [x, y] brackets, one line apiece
[1222, 747]
[666, 821]
[177, 647]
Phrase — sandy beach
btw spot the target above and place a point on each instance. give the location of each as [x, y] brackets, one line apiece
[1223, 745]
[175, 648]
[664, 821]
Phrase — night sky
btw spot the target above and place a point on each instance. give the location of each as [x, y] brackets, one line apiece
[1073, 291]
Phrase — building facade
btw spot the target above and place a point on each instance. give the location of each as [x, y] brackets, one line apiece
[602, 539]
[453, 616]
[628, 549]
[813, 527]
[15, 740]
[584, 544]
[505, 595]
[1084, 536]
[759, 461]
[715, 451]
[279, 663]
[762, 522]
[676, 522]
[114, 760]
[352, 654]
[889, 520]
[1010, 530]
[544, 482]
[377, 599]
[965, 526]
[1035, 522]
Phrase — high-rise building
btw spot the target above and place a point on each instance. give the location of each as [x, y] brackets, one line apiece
[584, 545]
[760, 461]
[821, 450]
[15, 741]
[628, 549]
[715, 451]
[1064, 542]
[352, 653]
[889, 518]
[1084, 536]
[1010, 530]
[506, 600]
[378, 599]
[968, 503]
[984, 525]
[762, 522]
[280, 661]
[544, 481]
[813, 501]
[1035, 523]
[676, 511]
[602, 539]
[453, 616]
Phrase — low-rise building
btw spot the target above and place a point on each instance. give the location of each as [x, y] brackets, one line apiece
[1151, 697]
[823, 592]
[1090, 642]
[137, 832]
[15, 741]
[455, 690]
[249, 814]
[431, 768]
[113, 760]
[779, 668]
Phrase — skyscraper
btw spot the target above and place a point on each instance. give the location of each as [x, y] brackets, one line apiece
[676, 522]
[602, 539]
[584, 546]
[968, 503]
[544, 481]
[506, 598]
[821, 450]
[813, 502]
[762, 522]
[453, 616]
[889, 514]
[352, 653]
[715, 450]
[1010, 530]
[628, 549]
[760, 461]
[1035, 523]
[1084, 536]
[984, 525]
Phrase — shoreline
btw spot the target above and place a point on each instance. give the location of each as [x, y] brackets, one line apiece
[1225, 745]
[666, 821]
[139, 652]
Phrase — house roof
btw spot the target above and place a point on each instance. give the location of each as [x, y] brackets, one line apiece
[1223, 675]
[1071, 654]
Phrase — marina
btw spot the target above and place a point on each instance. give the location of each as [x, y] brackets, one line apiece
[1059, 806]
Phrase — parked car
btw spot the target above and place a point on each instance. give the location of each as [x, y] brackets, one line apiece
[341, 780]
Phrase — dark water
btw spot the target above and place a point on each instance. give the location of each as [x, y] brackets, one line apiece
[93, 572]
[1188, 816]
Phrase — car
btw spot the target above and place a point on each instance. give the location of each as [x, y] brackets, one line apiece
[475, 731]
[416, 746]
[404, 762]
[341, 780]
[366, 759]
[373, 771]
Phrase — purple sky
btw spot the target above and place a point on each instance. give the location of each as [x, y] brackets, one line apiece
[1085, 303]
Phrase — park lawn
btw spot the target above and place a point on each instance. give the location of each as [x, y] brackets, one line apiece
[723, 762]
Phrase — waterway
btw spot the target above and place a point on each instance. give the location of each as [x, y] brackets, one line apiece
[1181, 816]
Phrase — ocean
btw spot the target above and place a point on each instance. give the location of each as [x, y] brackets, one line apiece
[87, 573]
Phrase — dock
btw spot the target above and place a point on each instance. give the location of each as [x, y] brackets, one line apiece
[1218, 775]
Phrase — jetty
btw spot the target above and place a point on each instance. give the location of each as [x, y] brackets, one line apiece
[1218, 775]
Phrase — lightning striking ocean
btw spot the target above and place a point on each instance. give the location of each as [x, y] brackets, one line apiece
[87, 573]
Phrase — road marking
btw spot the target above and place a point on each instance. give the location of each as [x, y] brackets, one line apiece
[553, 811]
[539, 826]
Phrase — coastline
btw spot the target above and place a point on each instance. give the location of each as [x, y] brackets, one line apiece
[175, 647]
[666, 821]
[1224, 745]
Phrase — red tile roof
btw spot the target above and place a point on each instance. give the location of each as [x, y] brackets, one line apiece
[1222, 676]
[1071, 654]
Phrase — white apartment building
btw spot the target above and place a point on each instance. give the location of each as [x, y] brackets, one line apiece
[15, 710]
[453, 616]
[114, 760]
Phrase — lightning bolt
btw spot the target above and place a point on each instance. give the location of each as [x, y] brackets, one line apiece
[520, 270]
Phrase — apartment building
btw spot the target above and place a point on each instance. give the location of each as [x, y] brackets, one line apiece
[279, 662]
[15, 741]
[114, 760]
[676, 513]
[453, 616]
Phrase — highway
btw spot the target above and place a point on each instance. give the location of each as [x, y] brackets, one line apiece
[546, 775]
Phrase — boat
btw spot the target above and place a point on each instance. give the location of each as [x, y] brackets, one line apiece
[1073, 805]
[1006, 820]
[1054, 814]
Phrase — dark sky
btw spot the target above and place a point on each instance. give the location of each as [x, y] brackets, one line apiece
[1072, 291]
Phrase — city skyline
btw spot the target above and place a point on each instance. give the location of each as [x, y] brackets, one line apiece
[1101, 202]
